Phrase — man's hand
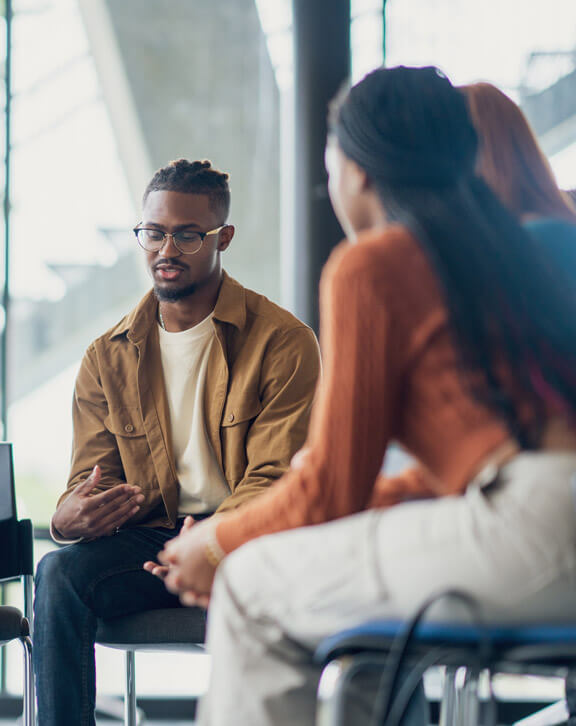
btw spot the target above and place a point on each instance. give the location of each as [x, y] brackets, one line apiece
[87, 514]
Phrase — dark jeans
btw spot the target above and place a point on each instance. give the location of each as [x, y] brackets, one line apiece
[76, 585]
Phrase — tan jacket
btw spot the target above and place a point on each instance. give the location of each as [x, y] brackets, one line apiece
[259, 388]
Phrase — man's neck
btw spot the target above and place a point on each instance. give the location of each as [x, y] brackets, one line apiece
[184, 314]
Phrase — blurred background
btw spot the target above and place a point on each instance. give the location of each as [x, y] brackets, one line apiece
[103, 92]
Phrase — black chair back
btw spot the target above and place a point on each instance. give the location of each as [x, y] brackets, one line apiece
[16, 538]
[7, 495]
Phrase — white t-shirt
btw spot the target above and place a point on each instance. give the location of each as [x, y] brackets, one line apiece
[184, 362]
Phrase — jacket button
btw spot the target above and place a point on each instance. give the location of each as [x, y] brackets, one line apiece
[231, 417]
[128, 428]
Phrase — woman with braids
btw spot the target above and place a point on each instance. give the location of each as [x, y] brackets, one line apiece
[446, 328]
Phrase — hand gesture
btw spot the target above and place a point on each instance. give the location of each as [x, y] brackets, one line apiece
[89, 513]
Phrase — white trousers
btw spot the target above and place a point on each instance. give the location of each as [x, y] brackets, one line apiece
[509, 542]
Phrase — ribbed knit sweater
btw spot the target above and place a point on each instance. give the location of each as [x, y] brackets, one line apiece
[390, 373]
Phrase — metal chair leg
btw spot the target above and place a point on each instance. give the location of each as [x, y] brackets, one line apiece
[470, 704]
[130, 709]
[29, 710]
[28, 587]
[127, 712]
[331, 690]
[488, 707]
[450, 698]
[570, 691]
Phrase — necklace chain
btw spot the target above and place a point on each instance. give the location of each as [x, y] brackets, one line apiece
[161, 318]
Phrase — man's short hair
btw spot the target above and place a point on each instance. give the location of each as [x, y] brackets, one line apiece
[193, 177]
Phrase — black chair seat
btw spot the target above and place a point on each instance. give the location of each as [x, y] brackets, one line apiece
[12, 624]
[166, 629]
[181, 629]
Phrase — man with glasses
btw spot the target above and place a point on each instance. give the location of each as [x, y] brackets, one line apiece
[193, 404]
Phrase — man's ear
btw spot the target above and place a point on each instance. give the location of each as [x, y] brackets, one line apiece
[225, 237]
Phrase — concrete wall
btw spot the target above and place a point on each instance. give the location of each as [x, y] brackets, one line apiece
[193, 79]
[181, 78]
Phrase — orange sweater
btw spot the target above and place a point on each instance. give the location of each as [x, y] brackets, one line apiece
[390, 372]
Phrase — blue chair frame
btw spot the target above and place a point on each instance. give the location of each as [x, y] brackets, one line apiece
[541, 649]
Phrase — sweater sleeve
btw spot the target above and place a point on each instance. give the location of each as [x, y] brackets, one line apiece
[352, 418]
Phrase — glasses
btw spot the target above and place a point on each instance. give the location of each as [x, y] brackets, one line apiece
[188, 242]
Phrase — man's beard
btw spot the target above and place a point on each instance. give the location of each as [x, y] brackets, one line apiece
[174, 294]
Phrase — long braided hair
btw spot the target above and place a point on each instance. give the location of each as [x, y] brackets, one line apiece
[512, 305]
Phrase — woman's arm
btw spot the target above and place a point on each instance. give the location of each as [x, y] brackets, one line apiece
[352, 418]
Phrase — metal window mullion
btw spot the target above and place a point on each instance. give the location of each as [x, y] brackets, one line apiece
[7, 183]
[6, 287]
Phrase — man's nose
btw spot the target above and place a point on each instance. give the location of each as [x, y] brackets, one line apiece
[168, 248]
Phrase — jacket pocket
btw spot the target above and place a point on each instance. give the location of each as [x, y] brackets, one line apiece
[237, 419]
[125, 421]
[240, 412]
[126, 425]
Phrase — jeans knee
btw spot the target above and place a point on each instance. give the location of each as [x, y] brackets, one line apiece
[49, 567]
[53, 574]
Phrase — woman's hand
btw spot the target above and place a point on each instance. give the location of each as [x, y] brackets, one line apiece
[300, 458]
[189, 573]
[160, 571]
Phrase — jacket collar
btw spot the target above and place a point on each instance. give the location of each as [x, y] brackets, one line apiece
[230, 308]
[231, 303]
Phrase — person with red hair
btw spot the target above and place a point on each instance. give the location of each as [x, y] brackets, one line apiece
[512, 163]
[510, 159]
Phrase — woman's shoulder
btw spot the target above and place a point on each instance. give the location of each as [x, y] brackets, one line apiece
[379, 251]
[387, 272]
[388, 260]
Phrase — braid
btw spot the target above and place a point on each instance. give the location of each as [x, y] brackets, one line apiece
[193, 177]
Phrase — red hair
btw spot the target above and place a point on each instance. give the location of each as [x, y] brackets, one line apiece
[510, 159]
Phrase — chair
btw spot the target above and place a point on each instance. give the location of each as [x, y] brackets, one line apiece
[152, 630]
[13, 625]
[541, 649]
[17, 562]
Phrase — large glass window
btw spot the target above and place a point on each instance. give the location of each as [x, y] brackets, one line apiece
[94, 114]
[105, 93]
[70, 213]
[523, 48]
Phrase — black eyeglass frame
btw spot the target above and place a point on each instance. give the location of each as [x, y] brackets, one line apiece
[174, 236]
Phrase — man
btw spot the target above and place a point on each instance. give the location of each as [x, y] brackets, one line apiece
[194, 403]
